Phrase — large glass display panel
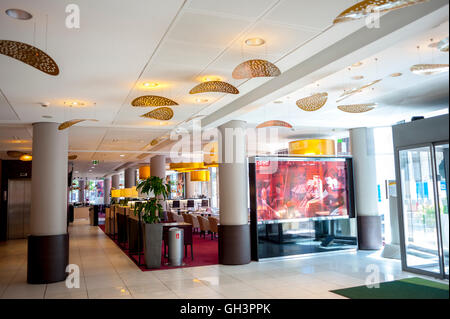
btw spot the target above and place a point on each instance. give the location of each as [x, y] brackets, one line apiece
[301, 188]
[176, 182]
[419, 215]
[309, 236]
[442, 166]
[301, 206]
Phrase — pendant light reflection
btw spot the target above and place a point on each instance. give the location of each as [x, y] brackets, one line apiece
[429, 69]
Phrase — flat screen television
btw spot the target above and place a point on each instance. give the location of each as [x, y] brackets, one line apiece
[289, 188]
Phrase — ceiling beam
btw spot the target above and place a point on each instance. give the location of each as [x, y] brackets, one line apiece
[364, 38]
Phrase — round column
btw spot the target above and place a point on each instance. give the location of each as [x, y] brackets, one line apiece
[234, 230]
[190, 186]
[115, 181]
[107, 191]
[48, 244]
[158, 166]
[130, 177]
[366, 192]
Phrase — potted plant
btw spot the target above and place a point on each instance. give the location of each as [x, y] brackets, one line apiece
[150, 211]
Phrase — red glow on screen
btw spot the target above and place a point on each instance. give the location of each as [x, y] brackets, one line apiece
[299, 189]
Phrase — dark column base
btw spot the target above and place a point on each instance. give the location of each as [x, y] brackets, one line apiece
[369, 232]
[48, 257]
[234, 244]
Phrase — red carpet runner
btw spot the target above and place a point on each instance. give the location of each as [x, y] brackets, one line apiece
[205, 253]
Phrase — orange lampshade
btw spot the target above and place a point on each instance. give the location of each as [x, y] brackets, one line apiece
[144, 172]
[26, 158]
[315, 147]
[125, 192]
[134, 192]
[200, 176]
[115, 193]
[186, 167]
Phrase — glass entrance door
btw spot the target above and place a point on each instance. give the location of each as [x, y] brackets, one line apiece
[424, 207]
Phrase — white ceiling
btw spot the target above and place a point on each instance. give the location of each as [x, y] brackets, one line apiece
[121, 45]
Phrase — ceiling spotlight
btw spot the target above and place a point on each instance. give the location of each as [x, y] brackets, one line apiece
[18, 14]
[45, 104]
[200, 100]
[355, 65]
[74, 103]
[395, 75]
[122, 155]
[358, 77]
[151, 85]
[255, 42]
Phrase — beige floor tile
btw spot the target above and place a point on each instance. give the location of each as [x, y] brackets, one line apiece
[109, 293]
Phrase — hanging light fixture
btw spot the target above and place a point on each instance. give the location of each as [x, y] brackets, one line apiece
[152, 100]
[429, 69]
[255, 68]
[144, 172]
[30, 55]
[313, 102]
[357, 108]
[274, 123]
[396, 75]
[14, 154]
[200, 176]
[364, 8]
[162, 114]
[70, 123]
[214, 86]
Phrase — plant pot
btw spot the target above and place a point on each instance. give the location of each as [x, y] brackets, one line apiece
[152, 244]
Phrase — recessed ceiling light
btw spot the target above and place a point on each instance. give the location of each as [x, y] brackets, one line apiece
[74, 103]
[122, 155]
[18, 14]
[358, 77]
[200, 100]
[47, 116]
[151, 85]
[355, 65]
[211, 78]
[278, 102]
[254, 42]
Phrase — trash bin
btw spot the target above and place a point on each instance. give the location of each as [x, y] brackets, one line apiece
[176, 249]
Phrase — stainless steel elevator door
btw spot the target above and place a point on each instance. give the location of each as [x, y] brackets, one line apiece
[19, 205]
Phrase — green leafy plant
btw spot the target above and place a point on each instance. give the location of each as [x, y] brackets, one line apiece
[151, 208]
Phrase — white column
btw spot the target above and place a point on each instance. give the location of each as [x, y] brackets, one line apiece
[234, 231]
[81, 190]
[233, 175]
[189, 186]
[115, 181]
[158, 166]
[366, 193]
[49, 180]
[48, 243]
[107, 190]
[364, 168]
[130, 177]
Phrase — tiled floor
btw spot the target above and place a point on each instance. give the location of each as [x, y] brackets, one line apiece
[106, 272]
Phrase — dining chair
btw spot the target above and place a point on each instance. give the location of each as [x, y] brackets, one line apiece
[204, 225]
[195, 223]
[213, 226]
